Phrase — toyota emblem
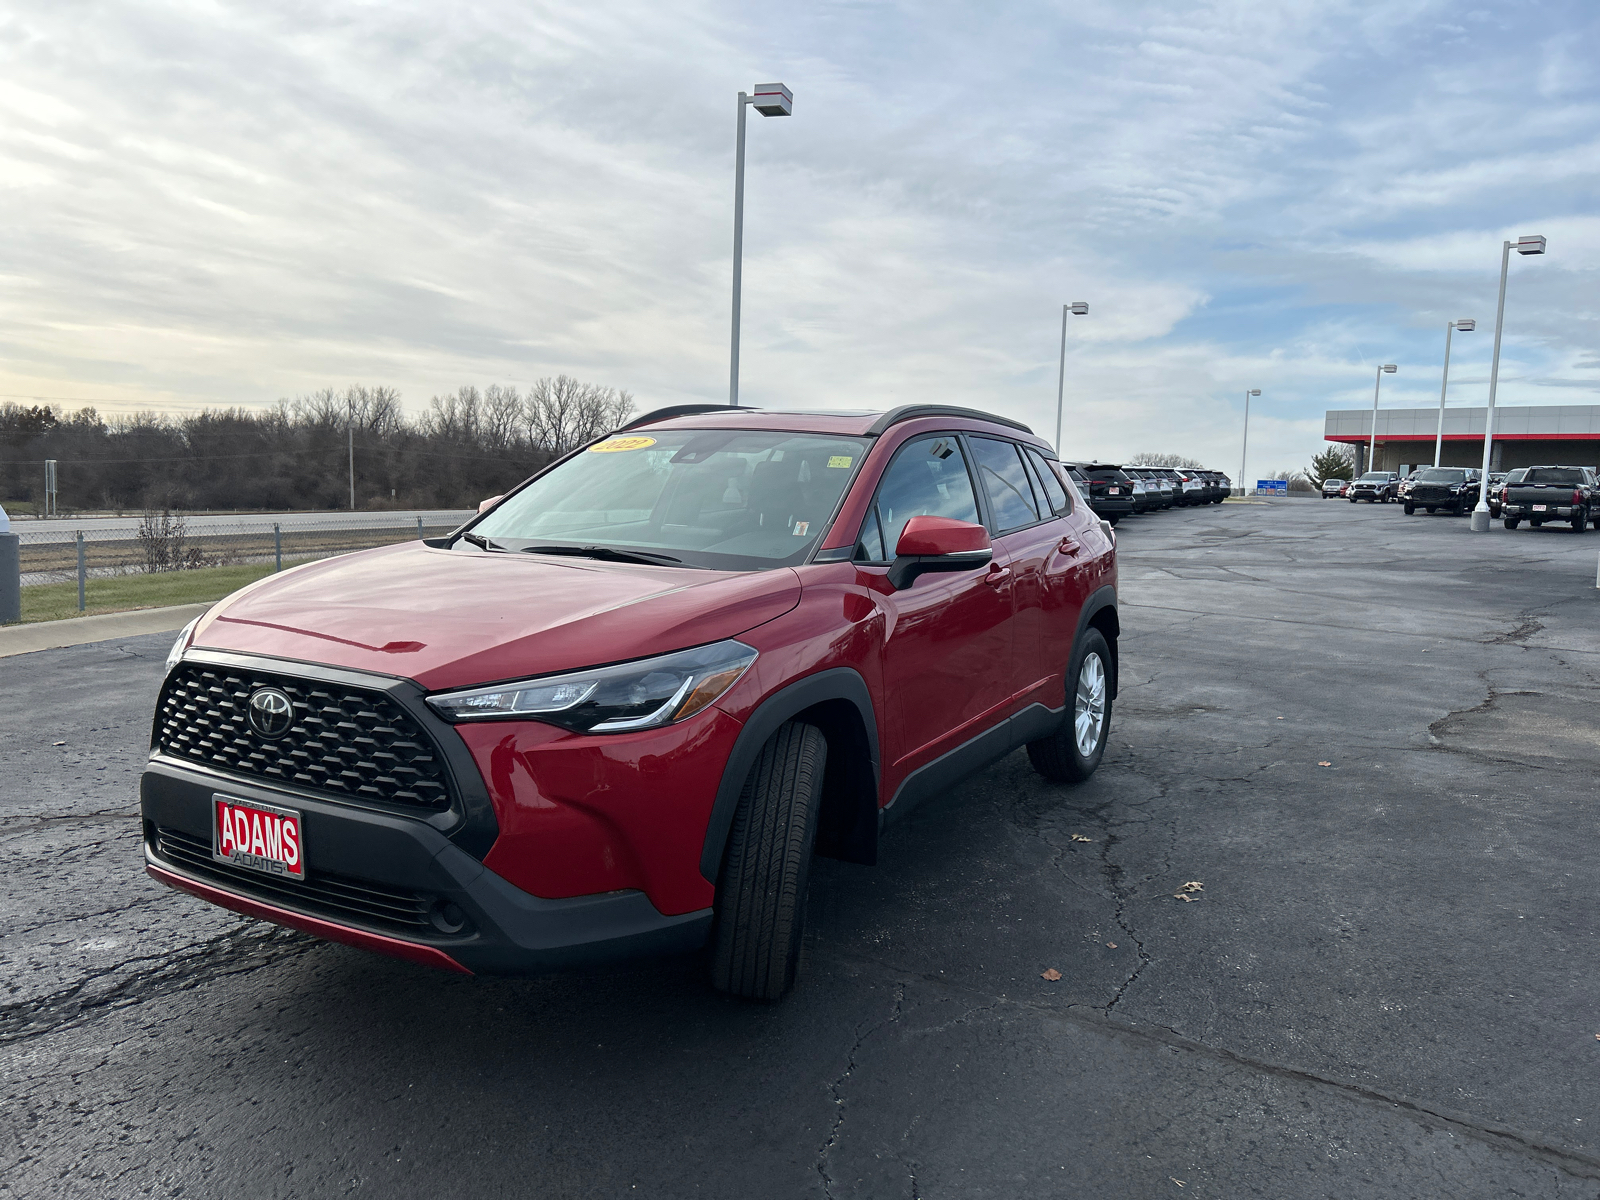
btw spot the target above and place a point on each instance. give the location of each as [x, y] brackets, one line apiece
[271, 712]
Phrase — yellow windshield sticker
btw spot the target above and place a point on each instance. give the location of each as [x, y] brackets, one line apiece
[840, 460]
[613, 445]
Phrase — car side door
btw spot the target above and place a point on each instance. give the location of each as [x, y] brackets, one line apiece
[1026, 519]
[947, 636]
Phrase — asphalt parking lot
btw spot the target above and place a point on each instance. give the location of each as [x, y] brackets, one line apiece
[1369, 739]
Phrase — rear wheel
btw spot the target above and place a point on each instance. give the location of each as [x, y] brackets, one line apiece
[761, 897]
[1532, 524]
[1512, 522]
[1072, 752]
[1580, 520]
[1429, 507]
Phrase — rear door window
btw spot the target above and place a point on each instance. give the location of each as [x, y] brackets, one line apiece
[1006, 483]
[1054, 492]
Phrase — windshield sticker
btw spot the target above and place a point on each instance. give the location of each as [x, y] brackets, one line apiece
[613, 445]
[800, 528]
[840, 460]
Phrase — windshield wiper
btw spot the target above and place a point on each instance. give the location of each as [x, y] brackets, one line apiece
[609, 553]
[481, 542]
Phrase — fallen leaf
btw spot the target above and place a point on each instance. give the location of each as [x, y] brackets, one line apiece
[1113, 945]
[1052, 974]
[1078, 837]
[1184, 896]
[1194, 885]
[1177, 1181]
[58, 743]
[1324, 764]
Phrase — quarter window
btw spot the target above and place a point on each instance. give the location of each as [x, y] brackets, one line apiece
[928, 478]
[1050, 481]
[1005, 482]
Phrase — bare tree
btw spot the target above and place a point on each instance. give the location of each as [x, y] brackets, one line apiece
[563, 413]
[1147, 459]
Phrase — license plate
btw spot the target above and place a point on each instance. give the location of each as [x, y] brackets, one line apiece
[257, 836]
[1540, 508]
[1113, 491]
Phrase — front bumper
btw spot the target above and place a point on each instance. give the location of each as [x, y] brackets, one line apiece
[396, 885]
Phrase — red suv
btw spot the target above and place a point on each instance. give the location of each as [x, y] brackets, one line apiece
[617, 712]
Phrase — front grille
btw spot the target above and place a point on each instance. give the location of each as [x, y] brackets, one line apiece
[346, 742]
[338, 897]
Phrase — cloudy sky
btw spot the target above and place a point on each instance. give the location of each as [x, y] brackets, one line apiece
[217, 203]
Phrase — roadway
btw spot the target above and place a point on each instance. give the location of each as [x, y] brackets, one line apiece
[1363, 741]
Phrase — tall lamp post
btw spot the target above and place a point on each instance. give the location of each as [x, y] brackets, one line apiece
[1077, 308]
[1523, 245]
[1244, 448]
[770, 100]
[1466, 326]
[1372, 449]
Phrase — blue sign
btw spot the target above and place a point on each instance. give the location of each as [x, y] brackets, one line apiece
[1273, 485]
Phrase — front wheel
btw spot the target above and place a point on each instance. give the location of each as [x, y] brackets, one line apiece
[1410, 508]
[1352, 499]
[761, 897]
[1072, 752]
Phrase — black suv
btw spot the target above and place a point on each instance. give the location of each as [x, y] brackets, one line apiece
[1454, 488]
[1110, 491]
[1376, 487]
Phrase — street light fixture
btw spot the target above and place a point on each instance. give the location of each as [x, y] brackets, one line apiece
[1244, 448]
[1372, 449]
[1524, 245]
[1077, 308]
[770, 100]
[1466, 326]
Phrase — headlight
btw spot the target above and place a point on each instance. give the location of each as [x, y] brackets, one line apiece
[636, 695]
[182, 644]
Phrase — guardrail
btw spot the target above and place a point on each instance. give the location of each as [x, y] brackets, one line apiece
[169, 542]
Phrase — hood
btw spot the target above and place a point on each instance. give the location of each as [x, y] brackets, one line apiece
[451, 618]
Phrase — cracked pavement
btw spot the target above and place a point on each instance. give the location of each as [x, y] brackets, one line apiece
[1385, 987]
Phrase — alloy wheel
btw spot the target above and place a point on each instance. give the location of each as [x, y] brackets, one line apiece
[1089, 709]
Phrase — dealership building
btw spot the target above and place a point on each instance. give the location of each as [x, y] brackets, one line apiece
[1524, 436]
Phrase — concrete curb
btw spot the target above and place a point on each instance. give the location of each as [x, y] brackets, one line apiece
[80, 631]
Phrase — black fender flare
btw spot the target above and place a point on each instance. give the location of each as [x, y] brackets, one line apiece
[836, 683]
[1102, 599]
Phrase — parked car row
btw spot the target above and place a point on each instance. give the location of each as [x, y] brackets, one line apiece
[1533, 494]
[1115, 491]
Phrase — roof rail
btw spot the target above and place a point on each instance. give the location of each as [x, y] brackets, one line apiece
[910, 412]
[682, 410]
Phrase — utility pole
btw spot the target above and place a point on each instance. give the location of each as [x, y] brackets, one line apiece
[350, 428]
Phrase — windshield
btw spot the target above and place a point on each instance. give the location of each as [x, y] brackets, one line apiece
[1442, 475]
[1553, 475]
[719, 499]
[1378, 476]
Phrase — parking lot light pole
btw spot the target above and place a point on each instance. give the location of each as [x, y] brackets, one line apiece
[1077, 308]
[1245, 446]
[1523, 245]
[1372, 449]
[770, 100]
[1466, 326]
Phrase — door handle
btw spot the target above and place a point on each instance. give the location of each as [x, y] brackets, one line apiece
[997, 576]
[1068, 545]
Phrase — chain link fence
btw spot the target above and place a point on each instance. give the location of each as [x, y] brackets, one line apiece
[157, 543]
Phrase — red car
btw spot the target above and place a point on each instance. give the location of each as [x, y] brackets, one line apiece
[617, 712]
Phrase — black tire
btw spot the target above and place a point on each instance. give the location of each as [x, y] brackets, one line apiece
[1532, 524]
[1059, 757]
[1580, 520]
[1410, 508]
[1429, 507]
[1113, 519]
[1512, 522]
[761, 896]
[1352, 499]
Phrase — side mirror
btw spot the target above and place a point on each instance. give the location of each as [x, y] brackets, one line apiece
[484, 505]
[938, 544]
